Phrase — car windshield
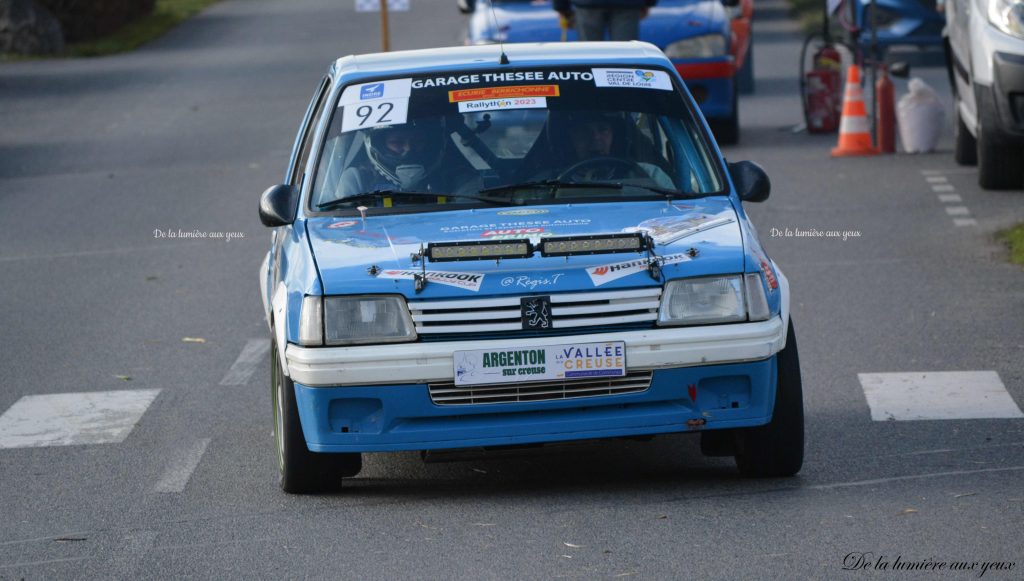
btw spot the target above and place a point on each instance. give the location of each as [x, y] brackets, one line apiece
[514, 136]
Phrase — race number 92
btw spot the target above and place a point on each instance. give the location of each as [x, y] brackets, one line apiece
[375, 113]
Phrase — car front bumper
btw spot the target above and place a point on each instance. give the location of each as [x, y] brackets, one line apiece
[372, 399]
[1002, 103]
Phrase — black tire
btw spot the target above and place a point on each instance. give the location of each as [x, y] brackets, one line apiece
[302, 471]
[777, 448]
[965, 150]
[727, 131]
[746, 74]
[1000, 166]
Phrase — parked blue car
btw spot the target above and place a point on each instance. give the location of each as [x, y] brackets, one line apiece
[485, 247]
[901, 23]
[707, 42]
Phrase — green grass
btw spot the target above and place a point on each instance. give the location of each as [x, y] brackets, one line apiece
[1014, 239]
[166, 15]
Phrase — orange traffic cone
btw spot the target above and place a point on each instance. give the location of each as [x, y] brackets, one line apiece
[854, 130]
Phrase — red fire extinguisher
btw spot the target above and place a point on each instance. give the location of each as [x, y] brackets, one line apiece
[823, 91]
[885, 96]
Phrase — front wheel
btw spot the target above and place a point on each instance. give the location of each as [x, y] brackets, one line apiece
[301, 471]
[777, 448]
[999, 165]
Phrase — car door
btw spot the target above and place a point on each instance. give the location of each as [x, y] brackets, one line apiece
[296, 173]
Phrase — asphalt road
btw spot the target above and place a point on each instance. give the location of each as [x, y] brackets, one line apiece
[99, 156]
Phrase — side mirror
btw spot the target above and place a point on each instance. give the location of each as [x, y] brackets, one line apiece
[752, 184]
[900, 69]
[277, 206]
[730, 3]
[466, 6]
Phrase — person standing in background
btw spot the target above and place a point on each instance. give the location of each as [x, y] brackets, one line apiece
[619, 18]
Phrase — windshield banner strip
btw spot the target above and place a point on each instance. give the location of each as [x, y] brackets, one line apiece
[502, 92]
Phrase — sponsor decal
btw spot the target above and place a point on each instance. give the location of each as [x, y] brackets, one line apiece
[525, 212]
[600, 275]
[567, 361]
[465, 228]
[392, 89]
[511, 76]
[633, 78]
[531, 282]
[465, 280]
[502, 93]
[343, 224]
[371, 91]
[592, 360]
[511, 232]
[501, 104]
[671, 229]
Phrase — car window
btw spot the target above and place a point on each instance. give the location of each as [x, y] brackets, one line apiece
[475, 133]
[298, 172]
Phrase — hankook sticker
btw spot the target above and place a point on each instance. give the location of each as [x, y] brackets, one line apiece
[470, 281]
[604, 274]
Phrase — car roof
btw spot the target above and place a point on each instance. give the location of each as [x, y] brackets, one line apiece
[519, 54]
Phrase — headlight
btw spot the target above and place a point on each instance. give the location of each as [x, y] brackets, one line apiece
[356, 320]
[699, 301]
[1008, 16]
[709, 45]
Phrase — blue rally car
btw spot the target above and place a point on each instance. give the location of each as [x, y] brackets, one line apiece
[477, 247]
[707, 41]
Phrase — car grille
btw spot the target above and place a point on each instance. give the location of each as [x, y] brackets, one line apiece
[449, 318]
[446, 393]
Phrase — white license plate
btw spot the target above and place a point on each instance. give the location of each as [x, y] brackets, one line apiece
[547, 362]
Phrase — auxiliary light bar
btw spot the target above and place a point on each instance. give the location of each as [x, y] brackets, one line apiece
[523, 248]
[595, 244]
[478, 250]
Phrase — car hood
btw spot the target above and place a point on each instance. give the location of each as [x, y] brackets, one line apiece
[693, 237]
[669, 21]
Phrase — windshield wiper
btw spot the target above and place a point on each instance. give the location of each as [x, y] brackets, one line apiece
[667, 192]
[552, 184]
[333, 204]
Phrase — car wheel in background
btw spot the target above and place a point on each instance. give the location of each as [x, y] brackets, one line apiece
[777, 448]
[746, 74]
[1000, 167]
[727, 130]
[302, 471]
[965, 150]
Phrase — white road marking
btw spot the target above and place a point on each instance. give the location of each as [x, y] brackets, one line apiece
[936, 179]
[943, 188]
[250, 358]
[183, 464]
[69, 419]
[913, 477]
[46, 562]
[948, 172]
[937, 395]
[964, 222]
[957, 211]
[950, 198]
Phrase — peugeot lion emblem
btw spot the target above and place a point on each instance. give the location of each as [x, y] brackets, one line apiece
[536, 312]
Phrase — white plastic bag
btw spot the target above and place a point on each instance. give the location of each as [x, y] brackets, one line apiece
[920, 116]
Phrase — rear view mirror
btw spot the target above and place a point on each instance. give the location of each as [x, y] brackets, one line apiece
[752, 183]
[277, 206]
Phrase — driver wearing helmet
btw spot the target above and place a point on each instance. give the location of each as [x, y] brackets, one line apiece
[413, 156]
[597, 149]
